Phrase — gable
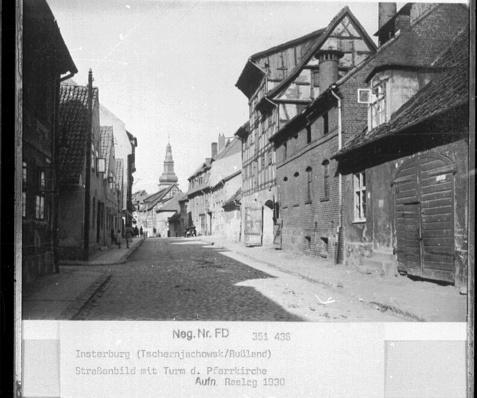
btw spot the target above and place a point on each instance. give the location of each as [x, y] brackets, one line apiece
[344, 33]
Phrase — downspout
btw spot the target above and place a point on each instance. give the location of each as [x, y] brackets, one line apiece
[340, 178]
[87, 196]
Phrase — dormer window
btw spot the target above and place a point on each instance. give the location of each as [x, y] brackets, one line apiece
[378, 108]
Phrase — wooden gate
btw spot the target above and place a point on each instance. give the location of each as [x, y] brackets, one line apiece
[253, 226]
[424, 217]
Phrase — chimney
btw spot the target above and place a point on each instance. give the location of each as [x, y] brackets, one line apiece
[402, 23]
[214, 150]
[328, 61]
[221, 142]
[386, 12]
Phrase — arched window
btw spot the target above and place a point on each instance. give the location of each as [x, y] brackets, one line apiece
[309, 179]
[326, 179]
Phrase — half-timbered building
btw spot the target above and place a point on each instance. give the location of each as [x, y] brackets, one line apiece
[279, 84]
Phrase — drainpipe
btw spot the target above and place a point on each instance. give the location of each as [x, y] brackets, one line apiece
[340, 178]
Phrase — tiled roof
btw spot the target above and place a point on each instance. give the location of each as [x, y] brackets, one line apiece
[199, 188]
[37, 14]
[73, 123]
[106, 145]
[446, 91]
[139, 196]
[155, 198]
[203, 167]
[173, 204]
[287, 44]
[234, 199]
[234, 146]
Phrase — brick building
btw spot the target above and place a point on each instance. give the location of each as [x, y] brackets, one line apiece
[309, 190]
[409, 167]
[419, 32]
[279, 83]
[84, 193]
[45, 60]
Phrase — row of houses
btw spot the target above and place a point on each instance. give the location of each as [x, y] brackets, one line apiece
[78, 158]
[152, 211]
[353, 151]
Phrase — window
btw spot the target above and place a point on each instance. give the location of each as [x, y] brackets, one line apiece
[42, 181]
[24, 173]
[325, 124]
[326, 180]
[92, 157]
[24, 198]
[359, 185]
[40, 207]
[24, 184]
[309, 179]
[93, 213]
[308, 134]
[284, 150]
[378, 113]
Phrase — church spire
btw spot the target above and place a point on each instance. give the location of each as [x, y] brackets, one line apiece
[168, 176]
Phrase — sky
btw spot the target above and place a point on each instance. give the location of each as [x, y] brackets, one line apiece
[168, 69]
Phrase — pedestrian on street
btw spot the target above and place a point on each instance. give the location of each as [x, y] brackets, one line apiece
[128, 235]
[141, 231]
[118, 238]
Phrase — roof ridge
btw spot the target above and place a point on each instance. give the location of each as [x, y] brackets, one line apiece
[286, 44]
[313, 49]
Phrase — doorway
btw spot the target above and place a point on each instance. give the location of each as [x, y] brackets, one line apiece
[424, 217]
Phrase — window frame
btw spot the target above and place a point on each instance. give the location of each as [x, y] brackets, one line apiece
[326, 180]
[40, 207]
[326, 124]
[309, 185]
[379, 106]
[359, 197]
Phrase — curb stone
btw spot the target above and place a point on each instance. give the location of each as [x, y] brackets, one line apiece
[381, 306]
[77, 305]
[133, 248]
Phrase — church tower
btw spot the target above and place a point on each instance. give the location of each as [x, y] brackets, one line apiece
[168, 176]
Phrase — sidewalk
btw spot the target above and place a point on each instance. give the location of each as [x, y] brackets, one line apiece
[62, 295]
[414, 300]
[111, 256]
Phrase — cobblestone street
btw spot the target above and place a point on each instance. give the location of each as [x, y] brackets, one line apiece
[178, 279]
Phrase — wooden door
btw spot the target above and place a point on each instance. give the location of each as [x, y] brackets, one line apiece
[253, 228]
[424, 217]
